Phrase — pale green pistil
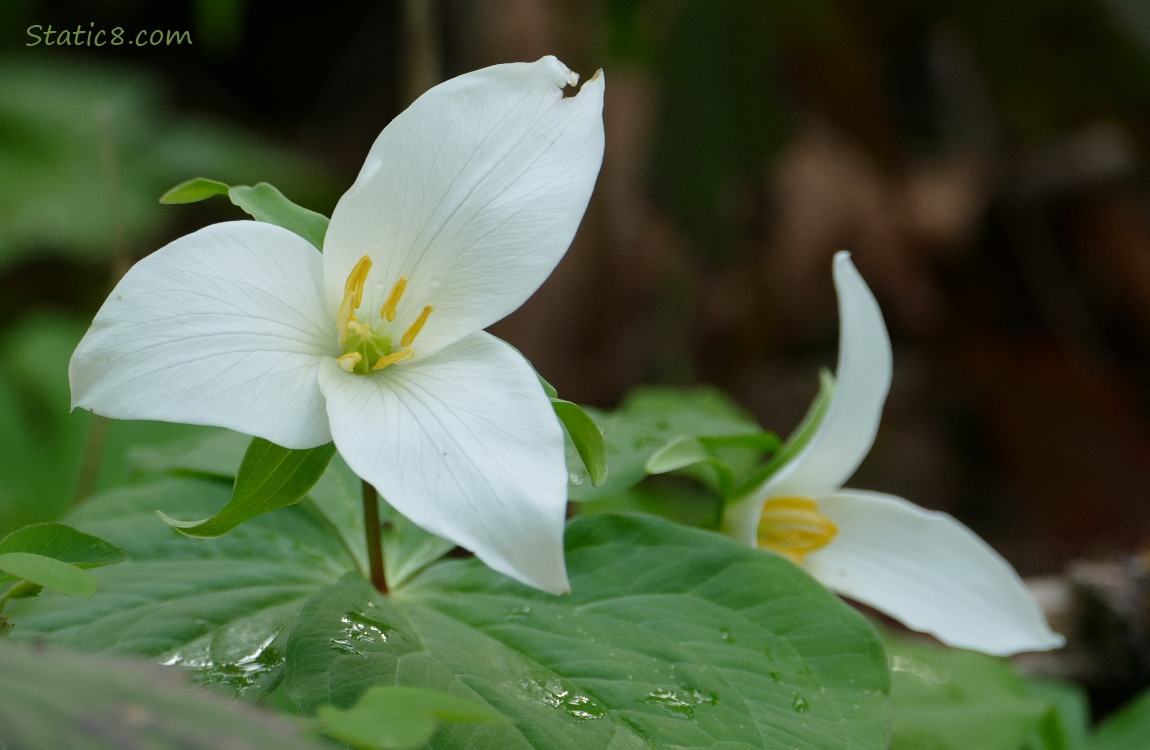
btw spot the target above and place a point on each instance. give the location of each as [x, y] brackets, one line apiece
[365, 350]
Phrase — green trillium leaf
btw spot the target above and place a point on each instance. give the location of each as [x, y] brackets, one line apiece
[952, 699]
[48, 572]
[388, 717]
[672, 637]
[62, 543]
[270, 477]
[212, 606]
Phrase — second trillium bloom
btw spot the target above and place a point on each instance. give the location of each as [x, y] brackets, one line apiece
[921, 567]
[465, 204]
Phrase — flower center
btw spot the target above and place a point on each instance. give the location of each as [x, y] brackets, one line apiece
[794, 527]
[365, 349]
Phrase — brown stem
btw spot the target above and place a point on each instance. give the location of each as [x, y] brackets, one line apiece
[373, 537]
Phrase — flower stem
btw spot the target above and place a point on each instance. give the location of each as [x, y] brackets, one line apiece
[373, 537]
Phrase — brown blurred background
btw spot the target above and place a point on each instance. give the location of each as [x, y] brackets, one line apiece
[984, 162]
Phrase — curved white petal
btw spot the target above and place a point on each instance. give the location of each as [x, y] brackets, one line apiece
[930, 572]
[473, 193]
[466, 445]
[225, 326]
[863, 377]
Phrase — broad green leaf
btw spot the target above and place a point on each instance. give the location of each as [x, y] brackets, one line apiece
[267, 204]
[1127, 729]
[650, 418]
[671, 638]
[62, 543]
[388, 717]
[213, 606]
[194, 190]
[270, 477]
[58, 699]
[586, 438]
[48, 572]
[949, 699]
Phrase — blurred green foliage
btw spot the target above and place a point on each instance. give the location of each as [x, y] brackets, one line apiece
[86, 151]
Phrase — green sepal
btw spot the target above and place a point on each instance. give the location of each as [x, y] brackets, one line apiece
[798, 439]
[193, 191]
[48, 572]
[263, 202]
[586, 437]
[267, 204]
[394, 717]
[270, 477]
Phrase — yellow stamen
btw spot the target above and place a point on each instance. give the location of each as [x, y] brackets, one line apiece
[387, 312]
[352, 296]
[794, 527]
[410, 334]
[391, 359]
[356, 280]
[348, 361]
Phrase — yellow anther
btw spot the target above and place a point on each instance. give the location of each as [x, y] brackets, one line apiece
[387, 312]
[794, 527]
[356, 280]
[410, 334]
[391, 359]
[352, 297]
[348, 361]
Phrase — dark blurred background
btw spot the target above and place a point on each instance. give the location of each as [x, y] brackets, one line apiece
[984, 162]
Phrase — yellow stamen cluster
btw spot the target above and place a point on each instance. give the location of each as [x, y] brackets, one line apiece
[794, 527]
[361, 344]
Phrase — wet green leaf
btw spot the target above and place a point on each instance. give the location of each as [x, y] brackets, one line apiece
[671, 637]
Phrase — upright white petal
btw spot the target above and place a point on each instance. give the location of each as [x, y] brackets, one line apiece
[225, 326]
[474, 193]
[466, 445]
[929, 572]
[863, 379]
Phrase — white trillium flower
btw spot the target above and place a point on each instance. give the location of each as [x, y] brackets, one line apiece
[465, 204]
[921, 567]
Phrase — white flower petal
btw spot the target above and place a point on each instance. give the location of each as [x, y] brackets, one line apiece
[474, 193]
[930, 572]
[863, 377]
[466, 445]
[224, 327]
